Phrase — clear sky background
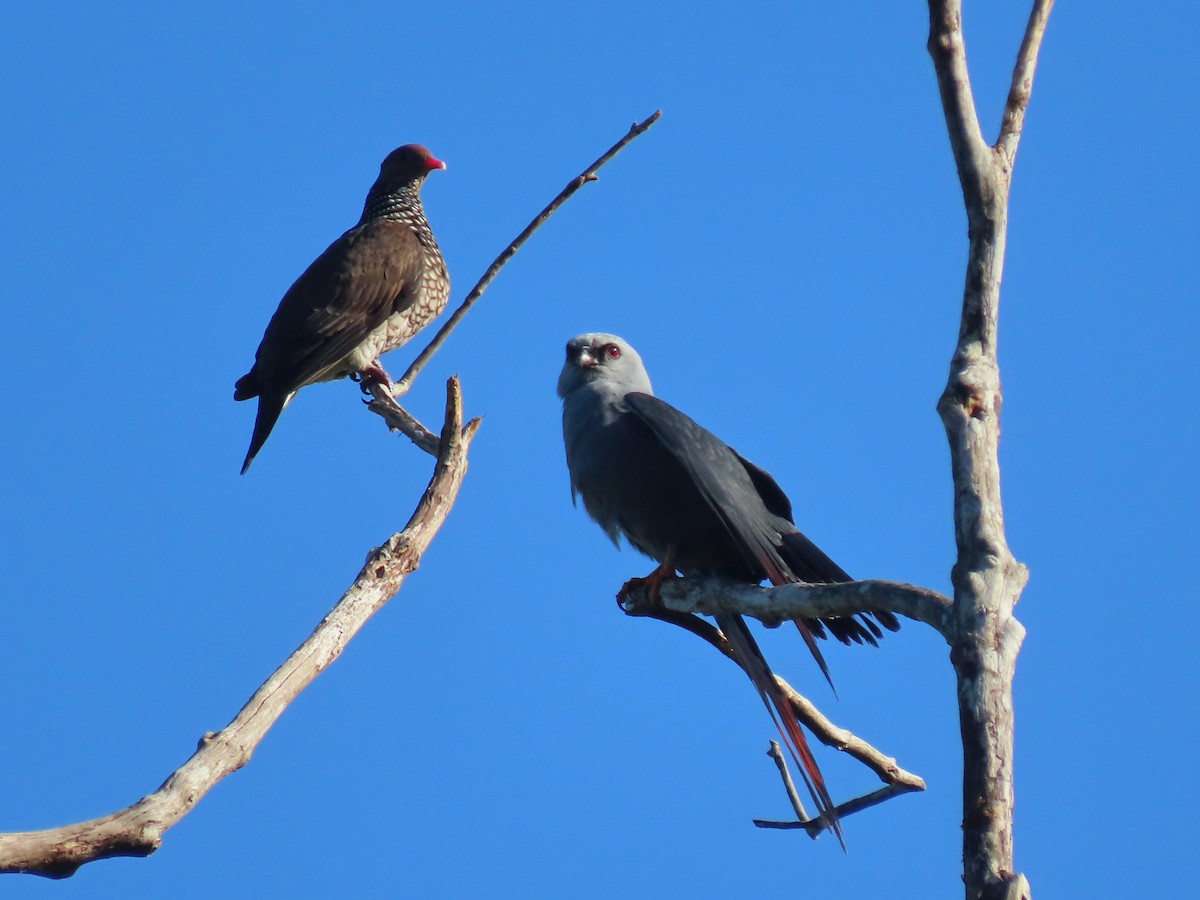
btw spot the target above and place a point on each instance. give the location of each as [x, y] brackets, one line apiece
[786, 250]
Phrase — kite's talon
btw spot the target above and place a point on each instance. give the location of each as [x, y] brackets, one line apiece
[652, 583]
[628, 587]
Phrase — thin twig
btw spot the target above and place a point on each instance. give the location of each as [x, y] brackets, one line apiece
[815, 826]
[138, 829]
[896, 780]
[776, 753]
[589, 174]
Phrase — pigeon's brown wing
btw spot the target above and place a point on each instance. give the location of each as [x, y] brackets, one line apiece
[369, 273]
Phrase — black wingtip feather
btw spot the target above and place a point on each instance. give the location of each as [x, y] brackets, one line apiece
[810, 564]
[872, 627]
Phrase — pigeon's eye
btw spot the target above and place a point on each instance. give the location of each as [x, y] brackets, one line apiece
[612, 351]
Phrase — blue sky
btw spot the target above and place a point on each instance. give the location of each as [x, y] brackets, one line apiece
[786, 250]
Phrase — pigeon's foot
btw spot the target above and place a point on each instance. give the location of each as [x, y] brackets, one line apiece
[373, 374]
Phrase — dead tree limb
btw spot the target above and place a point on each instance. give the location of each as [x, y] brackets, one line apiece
[138, 829]
[987, 578]
[895, 780]
[978, 624]
[787, 602]
[680, 599]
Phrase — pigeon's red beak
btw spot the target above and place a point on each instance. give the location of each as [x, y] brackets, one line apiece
[431, 163]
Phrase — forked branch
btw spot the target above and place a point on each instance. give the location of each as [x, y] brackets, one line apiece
[681, 598]
[898, 782]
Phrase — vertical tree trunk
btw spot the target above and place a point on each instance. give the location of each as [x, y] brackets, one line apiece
[987, 579]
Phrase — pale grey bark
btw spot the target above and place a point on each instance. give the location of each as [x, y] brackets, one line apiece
[987, 579]
[978, 623]
[773, 605]
[138, 829]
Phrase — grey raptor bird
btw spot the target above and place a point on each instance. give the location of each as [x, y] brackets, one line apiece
[686, 499]
[370, 291]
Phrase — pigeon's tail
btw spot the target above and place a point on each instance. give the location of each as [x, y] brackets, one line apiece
[749, 657]
[809, 564]
[269, 408]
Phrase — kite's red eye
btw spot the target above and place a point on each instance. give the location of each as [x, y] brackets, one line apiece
[612, 351]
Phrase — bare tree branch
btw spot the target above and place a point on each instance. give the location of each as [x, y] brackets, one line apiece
[1022, 82]
[814, 827]
[787, 602]
[681, 598]
[138, 830]
[885, 767]
[896, 780]
[985, 638]
[950, 62]
[399, 419]
[588, 174]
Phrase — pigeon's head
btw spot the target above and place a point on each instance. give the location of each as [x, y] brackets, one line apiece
[602, 359]
[406, 164]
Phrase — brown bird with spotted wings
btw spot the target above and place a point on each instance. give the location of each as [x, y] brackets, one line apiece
[373, 289]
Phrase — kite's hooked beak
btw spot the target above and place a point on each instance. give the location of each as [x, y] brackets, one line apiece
[586, 360]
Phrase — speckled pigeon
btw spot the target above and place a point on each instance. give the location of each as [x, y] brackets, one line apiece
[683, 497]
[369, 292]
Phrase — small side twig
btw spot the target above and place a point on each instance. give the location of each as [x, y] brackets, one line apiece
[400, 419]
[814, 827]
[137, 830]
[895, 779]
[588, 174]
[785, 774]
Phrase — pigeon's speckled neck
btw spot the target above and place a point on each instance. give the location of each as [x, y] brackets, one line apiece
[402, 204]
